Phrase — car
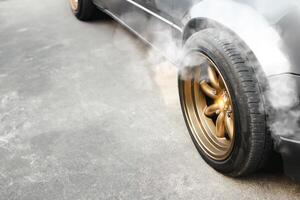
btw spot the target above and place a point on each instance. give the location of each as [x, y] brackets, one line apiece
[239, 73]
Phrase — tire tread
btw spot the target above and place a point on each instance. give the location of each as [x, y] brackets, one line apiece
[261, 142]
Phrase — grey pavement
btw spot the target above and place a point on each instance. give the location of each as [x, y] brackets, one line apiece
[88, 112]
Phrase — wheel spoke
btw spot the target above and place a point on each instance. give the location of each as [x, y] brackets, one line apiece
[221, 84]
[208, 90]
[229, 126]
[220, 127]
[211, 110]
[213, 78]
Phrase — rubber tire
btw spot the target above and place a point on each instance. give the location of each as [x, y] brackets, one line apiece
[238, 66]
[86, 10]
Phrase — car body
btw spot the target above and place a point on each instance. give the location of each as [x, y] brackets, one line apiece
[265, 27]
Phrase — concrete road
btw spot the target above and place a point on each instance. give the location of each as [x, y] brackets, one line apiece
[89, 112]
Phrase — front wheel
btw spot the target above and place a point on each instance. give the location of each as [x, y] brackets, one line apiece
[222, 103]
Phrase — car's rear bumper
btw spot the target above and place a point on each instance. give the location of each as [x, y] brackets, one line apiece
[285, 121]
[290, 152]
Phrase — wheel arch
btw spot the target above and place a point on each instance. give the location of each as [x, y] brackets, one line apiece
[198, 24]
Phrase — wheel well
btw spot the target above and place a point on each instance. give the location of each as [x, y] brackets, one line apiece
[198, 24]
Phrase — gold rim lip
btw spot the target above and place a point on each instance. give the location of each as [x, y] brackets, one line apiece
[74, 4]
[192, 125]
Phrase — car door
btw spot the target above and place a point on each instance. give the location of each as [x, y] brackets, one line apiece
[115, 7]
[149, 19]
[159, 6]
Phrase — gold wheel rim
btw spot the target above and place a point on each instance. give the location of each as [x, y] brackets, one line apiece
[208, 108]
[74, 4]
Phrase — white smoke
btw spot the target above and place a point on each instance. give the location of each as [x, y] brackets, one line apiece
[283, 97]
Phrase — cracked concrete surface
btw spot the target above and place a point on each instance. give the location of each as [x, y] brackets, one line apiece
[85, 115]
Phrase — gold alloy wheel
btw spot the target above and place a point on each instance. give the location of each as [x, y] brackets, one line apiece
[74, 4]
[208, 109]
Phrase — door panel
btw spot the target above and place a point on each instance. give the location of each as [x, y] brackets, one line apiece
[150, 19]
[115, 7]
[161, 6]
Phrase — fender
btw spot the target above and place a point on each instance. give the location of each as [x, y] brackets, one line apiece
[250, 25]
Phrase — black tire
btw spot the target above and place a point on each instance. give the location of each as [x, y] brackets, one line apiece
[238, 66]
[85, 10]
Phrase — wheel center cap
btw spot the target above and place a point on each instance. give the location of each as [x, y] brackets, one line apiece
[223, 101]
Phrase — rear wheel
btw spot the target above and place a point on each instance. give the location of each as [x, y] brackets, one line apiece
[222, 103]
[83, 9]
